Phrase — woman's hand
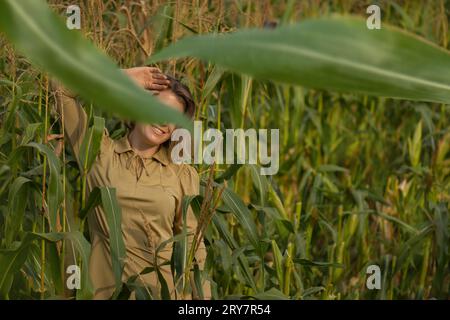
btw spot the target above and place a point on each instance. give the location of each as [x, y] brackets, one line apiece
[149, 78]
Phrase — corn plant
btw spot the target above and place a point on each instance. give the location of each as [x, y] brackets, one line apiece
[364, 173]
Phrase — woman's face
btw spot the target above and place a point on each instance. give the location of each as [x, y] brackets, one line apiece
[154, 134]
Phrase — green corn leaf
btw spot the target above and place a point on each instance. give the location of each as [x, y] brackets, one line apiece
[165, 293]
[415, 145]
[243, 215]
[278, 263]
[90, 146]
[11, 260]
[55, 192]
[225, 234]
[338, 53]
[30, 132]
[84, 249]
[309, 263]
[260, 183]
[239, 257]
[312, 291]
[229, 173]
[94, 200]
[163, 25]
[212, 81]
[8, 120]
[198, 282]
[39, 33]
[442, 235]
[271, 294]
[331, 168]
[17, 200]
[180, 251]
[220, 224]
[54, 263]
[113, 214]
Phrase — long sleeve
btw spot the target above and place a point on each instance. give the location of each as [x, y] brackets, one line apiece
[73, 115]
[190, 183]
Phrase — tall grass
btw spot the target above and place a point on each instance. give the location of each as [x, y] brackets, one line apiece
[363, 179]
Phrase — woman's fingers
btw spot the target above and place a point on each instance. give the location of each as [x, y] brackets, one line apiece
[157, 81]
[151, 78]
[162, 82]
[158, 75]
[153, 69]
[155, 86]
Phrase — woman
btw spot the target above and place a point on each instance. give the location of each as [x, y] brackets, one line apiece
[149, 187]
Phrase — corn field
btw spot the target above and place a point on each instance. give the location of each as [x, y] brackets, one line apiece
[364, 177]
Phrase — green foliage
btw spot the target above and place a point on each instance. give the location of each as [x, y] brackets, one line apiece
[363, 179]
[387, 62]
[40, 34]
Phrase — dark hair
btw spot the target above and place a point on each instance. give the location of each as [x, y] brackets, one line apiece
[182, 93]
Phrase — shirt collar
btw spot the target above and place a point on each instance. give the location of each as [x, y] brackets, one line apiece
[122, 145]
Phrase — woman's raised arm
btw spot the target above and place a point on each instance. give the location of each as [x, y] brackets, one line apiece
[73, 116]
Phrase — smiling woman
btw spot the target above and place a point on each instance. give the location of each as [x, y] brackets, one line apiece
[145, 138]
[361, 179]
[149, 190]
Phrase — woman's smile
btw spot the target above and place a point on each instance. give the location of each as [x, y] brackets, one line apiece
[158, 131]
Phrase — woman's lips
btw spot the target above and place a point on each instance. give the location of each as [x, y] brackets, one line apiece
[158, 131]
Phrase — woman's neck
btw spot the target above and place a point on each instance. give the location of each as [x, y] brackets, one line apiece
[141, 147]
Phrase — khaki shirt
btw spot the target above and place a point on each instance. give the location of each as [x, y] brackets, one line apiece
[149, 192]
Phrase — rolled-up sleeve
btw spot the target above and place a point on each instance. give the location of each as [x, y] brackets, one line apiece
[73, 116]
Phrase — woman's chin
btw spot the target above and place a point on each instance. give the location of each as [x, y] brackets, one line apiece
[150, 137]
[154, 140]
[151, 141]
